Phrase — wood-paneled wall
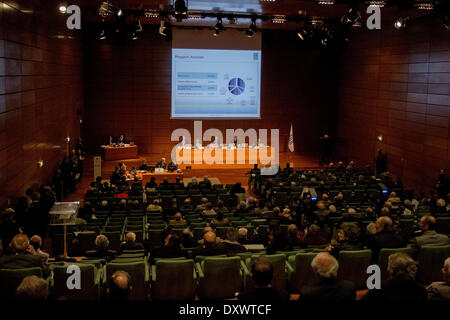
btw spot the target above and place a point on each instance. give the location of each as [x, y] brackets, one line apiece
[396, 83]
[128, 90]
[40, 91]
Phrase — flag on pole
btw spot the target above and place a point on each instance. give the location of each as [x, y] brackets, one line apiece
[291, 140]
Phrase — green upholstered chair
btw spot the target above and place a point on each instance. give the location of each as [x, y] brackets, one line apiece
[301, 273]
[173, 279]
[89, 282]
[220, 277]
[353, 266]
[383, 259]
[431, 259]
[11, 278]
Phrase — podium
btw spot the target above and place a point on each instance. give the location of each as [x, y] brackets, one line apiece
[64, 214]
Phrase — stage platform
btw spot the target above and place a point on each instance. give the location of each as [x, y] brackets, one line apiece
[226, 174]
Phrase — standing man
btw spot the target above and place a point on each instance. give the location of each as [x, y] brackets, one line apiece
[326, 149]
[442, 185]
[380, 162]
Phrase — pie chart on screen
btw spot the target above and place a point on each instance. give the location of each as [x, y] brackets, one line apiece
[236, 86]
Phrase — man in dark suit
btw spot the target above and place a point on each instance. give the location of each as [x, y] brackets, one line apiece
[121, 140]
[210, 247]
[385, 237]
[262, 274]
[23, 255]
[102, 252]
[130, 243]
[171, 249]
[325, 266]
[162, 164]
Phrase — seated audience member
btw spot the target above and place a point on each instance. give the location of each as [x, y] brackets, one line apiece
[202, 206]
[313, 236]
[8, 226]
[151, 184]
[440, 290]
[262, 275]
[187, 206]
[277, 240]
[171, 249]
[332, 211]
[36, 242]
[427, 224]
[178, 220]
[210, 247]
[32, 288]
[102, 252]
[243, 237]
[154, 206]
[348, 239]
[385, 237]
[401, 285]
[321, 213]
[260, 209]
[209, 210]
[408, 208]
[394, 198]
[440, 210]
[221, 208]
[325, 266]
[339, 201]
[130, 243]
[206, 183]
[241, 210]
[232, 246]
[193, 184]
[352, 216]
[120, 286]
[293, 237]
[22, 255]
[187, 241]
[220, 219]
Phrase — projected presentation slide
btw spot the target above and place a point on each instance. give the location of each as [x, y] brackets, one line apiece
[216, 83]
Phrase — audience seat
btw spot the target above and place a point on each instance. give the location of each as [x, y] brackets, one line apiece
[431, 259]
[213, 270]
[300, 271]
[383, 259]
[173, 280]
[138, 270]
[89, 282]
[11, 278]
[443, 225]
[353, 266]
[280, 270]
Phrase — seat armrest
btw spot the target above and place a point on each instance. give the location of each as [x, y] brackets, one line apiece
[291, 261]
[289, 268]
[153, 273]
[198, 267]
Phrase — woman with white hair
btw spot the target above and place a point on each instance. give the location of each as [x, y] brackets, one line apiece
[440, 290]
[402, 283]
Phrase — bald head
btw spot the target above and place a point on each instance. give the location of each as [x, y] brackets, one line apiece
[427, 223]
[130, 237]
[384, 223]
[210, 238]
[120, 285]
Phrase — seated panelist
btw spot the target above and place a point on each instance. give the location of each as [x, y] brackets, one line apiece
[162, 164]
[121, 140]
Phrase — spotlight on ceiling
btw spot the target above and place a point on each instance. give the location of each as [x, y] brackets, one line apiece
[351, 17]
[219, 27]
[134, 36]
[252, 29]
[400, 22]
[119, 13]
[180, 7]
[62, 7]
